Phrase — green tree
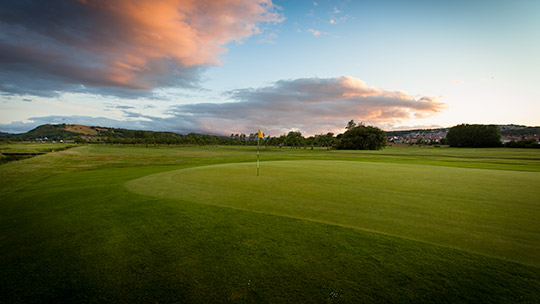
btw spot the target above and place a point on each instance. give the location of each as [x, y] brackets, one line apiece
[362, 138]
[79, 140]
[474, 136]
[295, 139]
[351, 124]
[523, 143]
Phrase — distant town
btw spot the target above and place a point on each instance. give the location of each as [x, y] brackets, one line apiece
[509, 133]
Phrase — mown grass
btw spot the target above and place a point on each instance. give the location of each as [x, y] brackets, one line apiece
[71, 232]
[486, 211]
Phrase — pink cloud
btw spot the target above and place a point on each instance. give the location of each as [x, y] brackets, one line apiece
[311, 105]
[129, 44]
[188, 32]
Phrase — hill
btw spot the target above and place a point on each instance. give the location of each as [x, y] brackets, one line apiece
[50, 132]
[53, 132]
[57, 132]
[515, 130]
[43, 132]
[420, 131]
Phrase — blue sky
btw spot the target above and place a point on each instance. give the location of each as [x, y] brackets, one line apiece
[231, 67]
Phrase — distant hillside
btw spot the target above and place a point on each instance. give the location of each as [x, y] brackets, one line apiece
[519, 130]
[81, 133]
[70, 132]
[514, 130]
[419, 131]
[84, 130]
[55, 132]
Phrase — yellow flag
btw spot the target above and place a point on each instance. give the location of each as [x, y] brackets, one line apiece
[260, 134]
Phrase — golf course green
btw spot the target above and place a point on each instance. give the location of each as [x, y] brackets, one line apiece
[188, 224]
[485, 211]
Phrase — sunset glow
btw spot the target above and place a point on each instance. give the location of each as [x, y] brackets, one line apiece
[240, 65]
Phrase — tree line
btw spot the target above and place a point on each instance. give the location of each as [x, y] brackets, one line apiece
[293, 139]
[355, 137]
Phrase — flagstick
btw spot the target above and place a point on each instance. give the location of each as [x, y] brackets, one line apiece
[258, 155]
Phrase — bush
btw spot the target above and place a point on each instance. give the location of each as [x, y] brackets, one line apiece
[524, 143]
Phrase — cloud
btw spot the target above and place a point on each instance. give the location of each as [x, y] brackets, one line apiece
[120, 107]
[123, 47]
[458, 81]
[314, 32]
[334, 20]
[310, 105]
[416, 127]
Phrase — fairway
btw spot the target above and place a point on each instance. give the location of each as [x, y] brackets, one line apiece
[486, 211]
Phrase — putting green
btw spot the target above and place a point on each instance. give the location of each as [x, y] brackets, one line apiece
[492, 212]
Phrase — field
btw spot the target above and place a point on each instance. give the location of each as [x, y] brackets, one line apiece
[195, 224]
[29, 148]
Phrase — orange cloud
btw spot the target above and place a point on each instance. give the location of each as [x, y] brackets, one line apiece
[187, 32]
[312, 105]
[125, 44]
[354, 87]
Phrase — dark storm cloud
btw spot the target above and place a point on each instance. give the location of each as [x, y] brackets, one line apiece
[123, 47]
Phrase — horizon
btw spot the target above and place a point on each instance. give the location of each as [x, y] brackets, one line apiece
[238, 66]
[251, 133]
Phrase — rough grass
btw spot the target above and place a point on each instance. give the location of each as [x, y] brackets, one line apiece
[34, 147]
[28, 148]
[71, 232]
[86, 130]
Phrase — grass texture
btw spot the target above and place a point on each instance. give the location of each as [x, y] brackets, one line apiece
[359, 227]
[486, 211]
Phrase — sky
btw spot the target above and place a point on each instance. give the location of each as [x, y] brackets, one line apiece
[236, 66]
